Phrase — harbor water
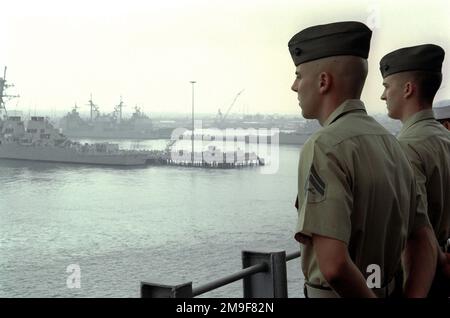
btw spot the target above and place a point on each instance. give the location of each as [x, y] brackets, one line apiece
[121, 226]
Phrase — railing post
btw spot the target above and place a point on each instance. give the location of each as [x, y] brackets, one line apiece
[269, 284]
[150, 290]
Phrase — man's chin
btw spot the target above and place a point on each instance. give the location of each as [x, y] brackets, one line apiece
[391, 114]
[306, 115]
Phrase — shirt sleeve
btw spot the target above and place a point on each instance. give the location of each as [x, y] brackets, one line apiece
[420, 218]
[327, 197]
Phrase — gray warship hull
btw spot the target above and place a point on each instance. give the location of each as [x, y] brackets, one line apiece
[117, 134]
[65, 155]
[293, 138]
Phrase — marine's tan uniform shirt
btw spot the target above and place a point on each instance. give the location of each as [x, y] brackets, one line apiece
[357, 186]
[427, 145]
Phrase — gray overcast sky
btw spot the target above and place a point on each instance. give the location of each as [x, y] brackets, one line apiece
[58, 52]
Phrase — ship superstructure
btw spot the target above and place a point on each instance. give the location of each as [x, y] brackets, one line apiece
[38, 140]
[110, 126]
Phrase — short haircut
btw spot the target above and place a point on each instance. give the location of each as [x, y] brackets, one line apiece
[428, 83]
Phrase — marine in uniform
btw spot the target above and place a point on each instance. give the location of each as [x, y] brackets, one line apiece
[356, 188]
[442, 112]
[411, 77]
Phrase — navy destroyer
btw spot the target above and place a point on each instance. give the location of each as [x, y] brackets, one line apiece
[109, 126]
[38, 140]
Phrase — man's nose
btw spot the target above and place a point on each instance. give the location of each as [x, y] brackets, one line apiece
[294, 86]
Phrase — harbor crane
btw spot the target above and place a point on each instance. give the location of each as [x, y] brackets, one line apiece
[220, 119]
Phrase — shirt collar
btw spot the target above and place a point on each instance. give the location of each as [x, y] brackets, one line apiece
[419, 116]
[347, 106]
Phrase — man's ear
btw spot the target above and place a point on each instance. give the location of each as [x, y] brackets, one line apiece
[324, 82]
[447, 124]
[408, 89]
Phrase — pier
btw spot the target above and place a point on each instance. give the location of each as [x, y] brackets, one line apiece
[211, 159]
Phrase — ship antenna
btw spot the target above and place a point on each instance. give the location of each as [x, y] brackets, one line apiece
[94, 109]
[118, 109]
[3, 87]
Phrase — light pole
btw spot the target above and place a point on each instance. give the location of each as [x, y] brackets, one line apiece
[192, 137]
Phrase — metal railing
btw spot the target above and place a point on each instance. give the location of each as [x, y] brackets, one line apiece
[264, 276]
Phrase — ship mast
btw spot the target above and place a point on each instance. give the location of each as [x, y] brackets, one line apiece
[3, 87]
[118, 109]
[94, 109]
